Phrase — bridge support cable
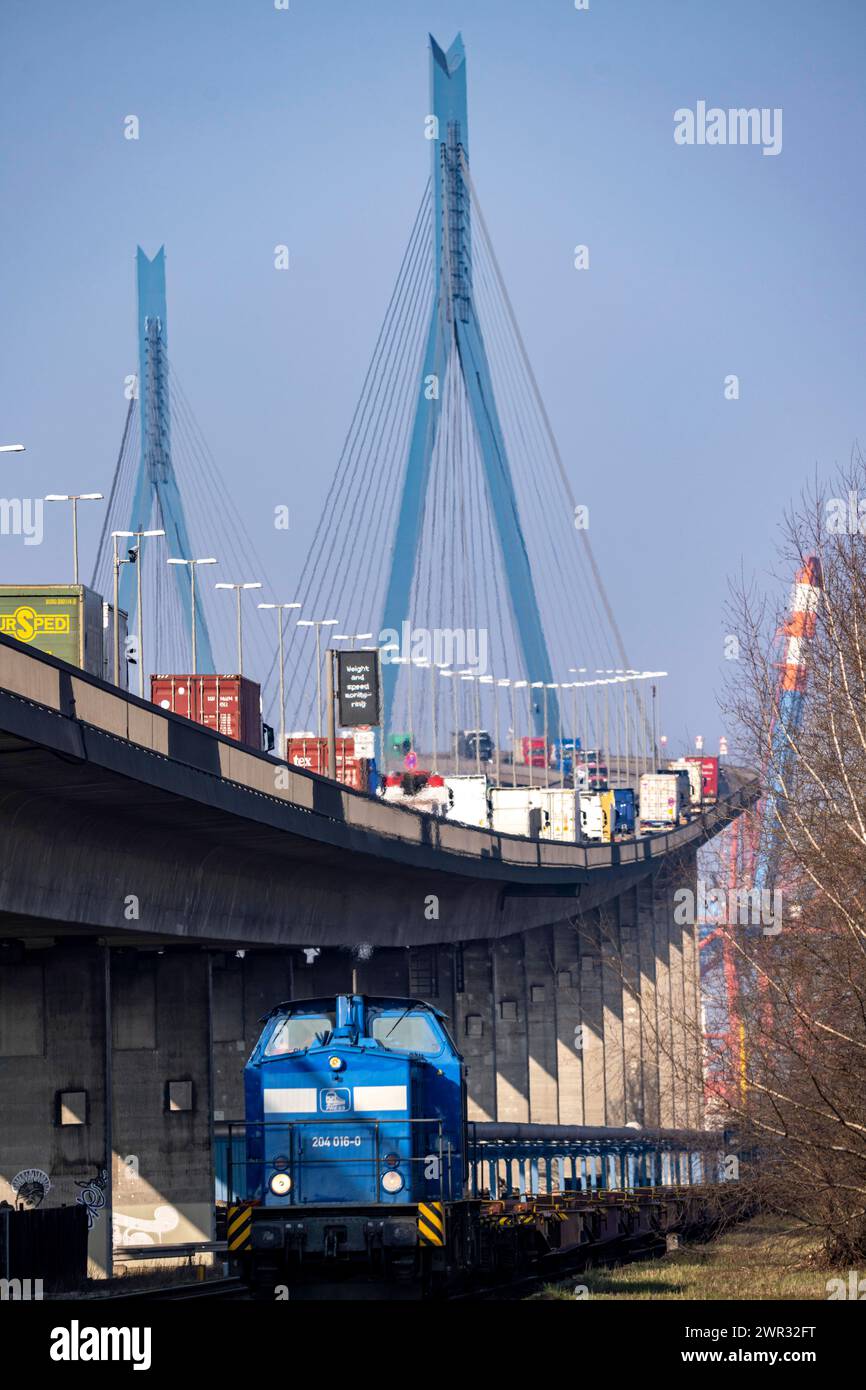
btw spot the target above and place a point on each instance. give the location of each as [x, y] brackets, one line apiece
[343, 566]
[594, 590]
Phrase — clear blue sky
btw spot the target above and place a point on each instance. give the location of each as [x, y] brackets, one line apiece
[260, 126]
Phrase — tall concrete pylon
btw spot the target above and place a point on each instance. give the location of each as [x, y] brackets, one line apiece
[454, 327]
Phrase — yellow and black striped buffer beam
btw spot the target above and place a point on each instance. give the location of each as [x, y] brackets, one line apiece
[431, 1223]
[239, 1228]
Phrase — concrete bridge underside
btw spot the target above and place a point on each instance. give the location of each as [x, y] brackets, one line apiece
[162, 888]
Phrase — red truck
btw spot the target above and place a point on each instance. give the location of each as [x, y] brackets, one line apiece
[709, 776]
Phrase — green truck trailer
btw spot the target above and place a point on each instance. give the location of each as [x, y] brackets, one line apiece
[68, 621]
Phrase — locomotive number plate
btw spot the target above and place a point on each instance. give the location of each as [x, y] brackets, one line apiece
[337, 1141]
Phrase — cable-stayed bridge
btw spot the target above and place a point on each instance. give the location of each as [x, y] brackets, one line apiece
[449, 530]
[162, 886]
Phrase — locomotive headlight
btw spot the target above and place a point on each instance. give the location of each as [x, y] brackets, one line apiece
[336, 1063]
[280, 1184]
[392, 1181]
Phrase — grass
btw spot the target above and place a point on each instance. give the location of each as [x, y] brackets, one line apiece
[761, 1259]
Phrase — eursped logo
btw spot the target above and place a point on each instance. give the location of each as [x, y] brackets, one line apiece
[77, 1343]
[25, 623]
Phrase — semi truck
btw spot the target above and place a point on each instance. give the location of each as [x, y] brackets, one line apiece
[664, 798]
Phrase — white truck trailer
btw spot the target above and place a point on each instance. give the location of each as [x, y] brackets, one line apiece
[663, 798]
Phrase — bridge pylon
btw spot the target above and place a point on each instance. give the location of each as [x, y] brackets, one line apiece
[454, 328]
[156, 494]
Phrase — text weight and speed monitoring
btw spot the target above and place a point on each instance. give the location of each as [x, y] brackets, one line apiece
[358, 688]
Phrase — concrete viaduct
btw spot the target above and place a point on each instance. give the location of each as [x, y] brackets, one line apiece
[162, 887]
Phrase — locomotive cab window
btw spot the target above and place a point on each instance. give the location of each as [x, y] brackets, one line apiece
[298, 1032]
[406, 1032]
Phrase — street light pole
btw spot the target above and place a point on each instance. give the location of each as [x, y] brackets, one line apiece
[74, 498]
[279, 607]
[318, 624]
[239, 588]
[139, 535]
[117, 563]
[191, 564]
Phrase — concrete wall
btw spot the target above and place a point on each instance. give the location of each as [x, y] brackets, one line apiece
[162, 1093]
[55, 1145]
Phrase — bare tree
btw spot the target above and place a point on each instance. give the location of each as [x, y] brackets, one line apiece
[798, 1086]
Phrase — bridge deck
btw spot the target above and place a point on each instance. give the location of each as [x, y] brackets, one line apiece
[105, 791]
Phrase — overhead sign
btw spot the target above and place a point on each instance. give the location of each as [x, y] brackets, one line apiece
[358, 688]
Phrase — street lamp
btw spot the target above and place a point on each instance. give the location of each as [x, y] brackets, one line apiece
[449, 675]
[11, 448]
[136, 551]
[470, 676]
[536, 685]
[279, 611]
[515, 685]
[352, 637]
[74, 498]
[318, 624]
[115, 535]
[491, 680]
[208, 560]
[239, 588]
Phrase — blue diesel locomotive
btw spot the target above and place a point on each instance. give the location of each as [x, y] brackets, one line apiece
[355, 1135]
[361, 1177]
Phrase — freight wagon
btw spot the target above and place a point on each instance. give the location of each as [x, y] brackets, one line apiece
[359, 1171]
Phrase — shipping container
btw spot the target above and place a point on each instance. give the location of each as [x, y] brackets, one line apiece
[709, 776]
[311, 753]
[692, 769]
[624, 810]
[229, 704]
[663, 798]
[467, 800]
[62, 620]
[597, 816]
[516, 811]
[560, 808]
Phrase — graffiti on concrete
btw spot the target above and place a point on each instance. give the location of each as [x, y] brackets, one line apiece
[31, 1186]
[144, 1230]
[92, 1196]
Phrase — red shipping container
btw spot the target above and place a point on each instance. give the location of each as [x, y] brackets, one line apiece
[311, 753]
[709, 776]
[229, 704]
